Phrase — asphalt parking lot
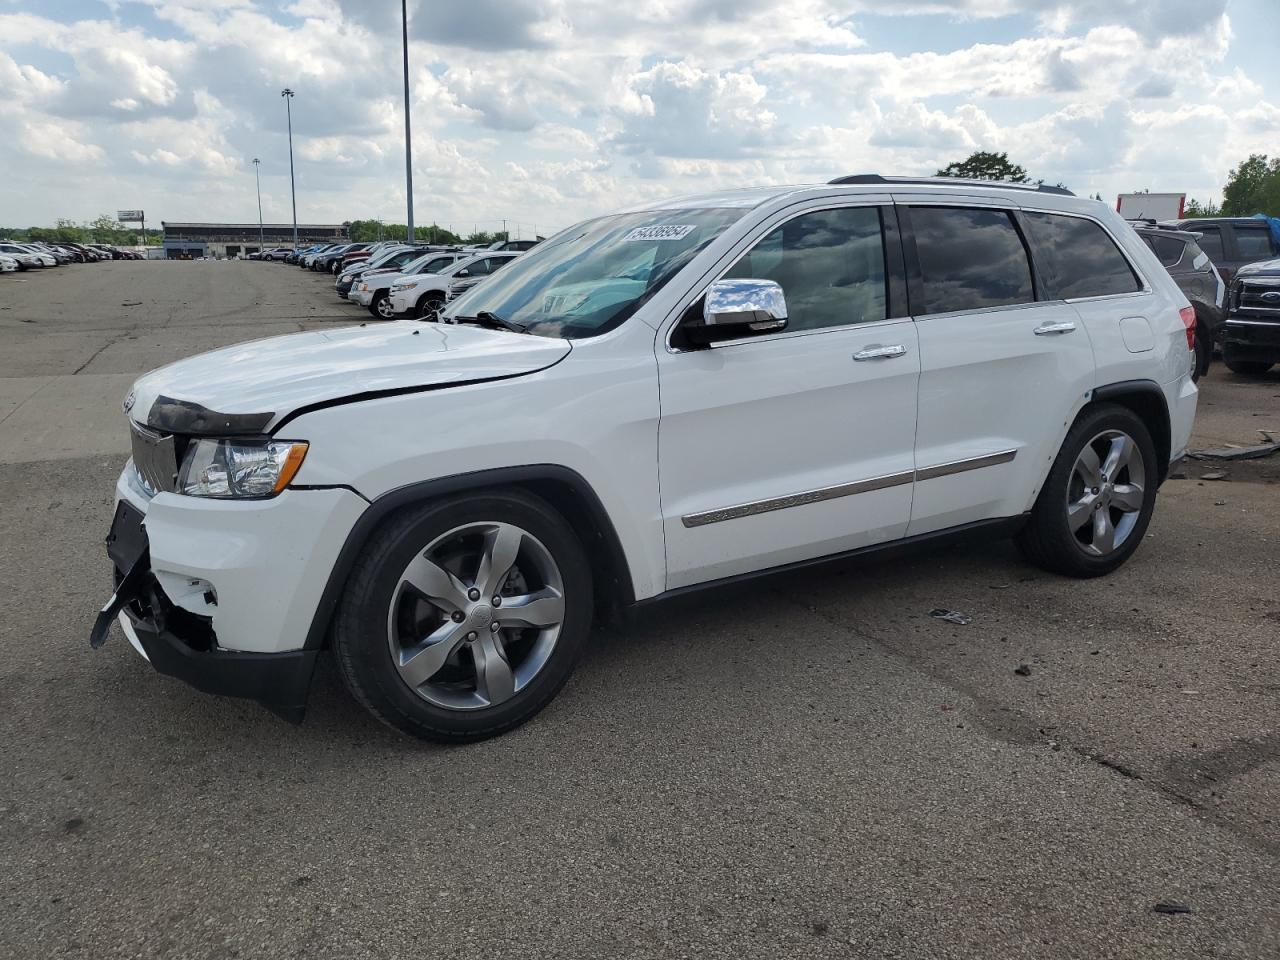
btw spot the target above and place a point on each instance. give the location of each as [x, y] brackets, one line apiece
[810, 766]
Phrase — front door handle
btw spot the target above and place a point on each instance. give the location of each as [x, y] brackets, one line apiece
[881, 353]
[1051, 328]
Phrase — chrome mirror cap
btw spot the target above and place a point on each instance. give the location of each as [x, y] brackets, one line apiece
[757, 304]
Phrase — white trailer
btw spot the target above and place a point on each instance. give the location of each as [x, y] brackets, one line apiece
[1151, 206]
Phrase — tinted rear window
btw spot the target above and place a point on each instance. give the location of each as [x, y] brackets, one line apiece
[1077, 258]
[970, 259]
[1254, 243]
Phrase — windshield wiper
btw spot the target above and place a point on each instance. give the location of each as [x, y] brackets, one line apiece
[491, 320]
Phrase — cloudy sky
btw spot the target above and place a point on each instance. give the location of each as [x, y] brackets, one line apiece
[546, 111]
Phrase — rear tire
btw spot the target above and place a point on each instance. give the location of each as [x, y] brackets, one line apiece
[1247, 368]
[1097, 501]
[422, 587]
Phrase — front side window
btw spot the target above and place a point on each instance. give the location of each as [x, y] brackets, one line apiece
[830, 265]
[592, 277]
[1078, 258]
[1254, 243]
[970, 259]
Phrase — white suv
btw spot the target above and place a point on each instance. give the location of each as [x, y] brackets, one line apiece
[666, 398]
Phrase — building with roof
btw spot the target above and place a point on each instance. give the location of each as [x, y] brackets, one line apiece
[187, 241]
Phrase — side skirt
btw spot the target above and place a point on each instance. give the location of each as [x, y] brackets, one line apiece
[996, 529]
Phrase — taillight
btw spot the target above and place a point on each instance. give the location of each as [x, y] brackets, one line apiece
[1188, 315]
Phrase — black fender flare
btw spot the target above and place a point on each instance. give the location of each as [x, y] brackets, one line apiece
[530, 476]
[1151, 405]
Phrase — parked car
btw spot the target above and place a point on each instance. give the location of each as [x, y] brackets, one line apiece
[26, 256]
[1251, 335]
[1198, 280]
[370, 252]
[1231, 242]
[651, 402]
[273, 253]
[373, 292]
[8, 264]
[517, 245]
[390, 260]
[426, 294]
[331, 262]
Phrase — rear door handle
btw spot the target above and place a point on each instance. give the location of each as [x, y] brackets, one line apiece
[1049, 329]
[881, 353]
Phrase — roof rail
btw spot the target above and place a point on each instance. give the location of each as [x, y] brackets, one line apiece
[951, 181]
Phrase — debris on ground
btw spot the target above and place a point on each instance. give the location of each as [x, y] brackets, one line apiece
[951, 616]
[1023, 670]
[1255, 452]
[1215, 475]
[1168, 906]
[1178, 475]
[1219, 503]
[132, 303]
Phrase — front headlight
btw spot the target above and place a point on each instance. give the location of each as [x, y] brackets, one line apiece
[232, 469]
[364, 286]
[398, 287]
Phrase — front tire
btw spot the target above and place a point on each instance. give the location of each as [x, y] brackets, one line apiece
[381, 307]
[1247, 368]
[463, 618]
[1097, 501]
[430, 304]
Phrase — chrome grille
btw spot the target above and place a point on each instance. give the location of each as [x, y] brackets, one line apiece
[1260, 294]
[155, 458]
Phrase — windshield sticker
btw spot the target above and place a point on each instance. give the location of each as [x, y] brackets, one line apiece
[667, 231]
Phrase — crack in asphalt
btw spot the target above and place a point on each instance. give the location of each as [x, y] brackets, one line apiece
[1014, 726]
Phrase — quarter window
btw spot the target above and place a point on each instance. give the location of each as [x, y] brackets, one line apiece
[830, 265]
[1078, 258]
[970, 259]
[1168, 249]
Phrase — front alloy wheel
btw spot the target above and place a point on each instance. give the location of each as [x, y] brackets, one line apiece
[463, 617]
[382, 307]
[476, 616]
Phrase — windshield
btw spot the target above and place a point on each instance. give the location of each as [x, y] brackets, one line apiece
[590, 278]
[427, 263]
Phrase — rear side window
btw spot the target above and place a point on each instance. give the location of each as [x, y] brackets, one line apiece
[1168, 249]
[970, 259]
[1077, 258]
[1254, 243]
[1210, 241]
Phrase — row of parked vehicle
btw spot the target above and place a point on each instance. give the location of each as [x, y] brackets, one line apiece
[17, 255]
[394, 279]
[1227, 267]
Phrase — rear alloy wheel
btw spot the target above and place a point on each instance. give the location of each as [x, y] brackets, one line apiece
[430, 304]
[381, 306]
[1096, 503]
[1247, 368]
[463, 619]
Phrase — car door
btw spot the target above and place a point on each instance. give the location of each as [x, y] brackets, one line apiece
[793, 445]
[1000, 366]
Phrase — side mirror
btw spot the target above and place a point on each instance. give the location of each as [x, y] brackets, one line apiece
[737, 308]
[463, 273]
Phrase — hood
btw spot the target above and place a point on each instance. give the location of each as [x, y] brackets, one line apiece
[1260, 267]
[251, 387]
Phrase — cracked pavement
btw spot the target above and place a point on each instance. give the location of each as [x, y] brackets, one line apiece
[808, 765]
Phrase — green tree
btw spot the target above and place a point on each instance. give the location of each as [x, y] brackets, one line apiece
[1253, 187]
[1197, 209]
[982, 165]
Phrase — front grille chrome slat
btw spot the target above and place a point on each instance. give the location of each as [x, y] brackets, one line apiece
[155, 457]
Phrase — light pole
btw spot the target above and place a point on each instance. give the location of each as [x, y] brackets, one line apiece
[261, 243]
[408, 146]
[293, 194]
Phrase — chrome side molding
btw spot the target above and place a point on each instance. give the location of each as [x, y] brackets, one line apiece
[845, 489]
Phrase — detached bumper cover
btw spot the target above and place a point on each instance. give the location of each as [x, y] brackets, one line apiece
[279, 681]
